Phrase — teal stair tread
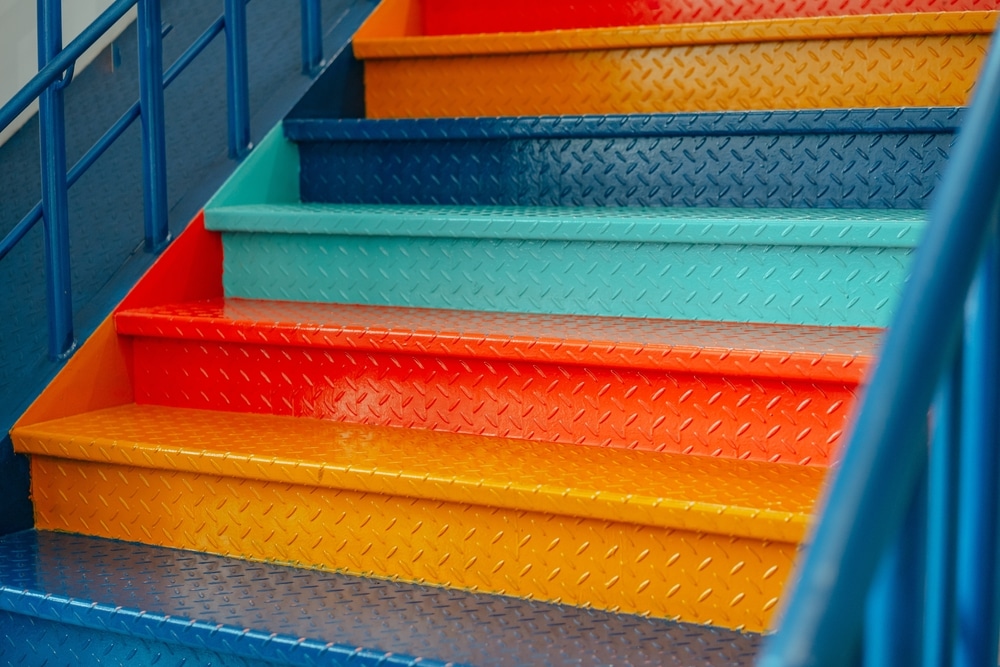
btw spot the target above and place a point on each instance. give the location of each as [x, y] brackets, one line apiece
[859, 228]
[723, 496]
[739, 348]
[148, 603]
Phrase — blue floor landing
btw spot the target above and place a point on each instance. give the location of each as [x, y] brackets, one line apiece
[68, 599]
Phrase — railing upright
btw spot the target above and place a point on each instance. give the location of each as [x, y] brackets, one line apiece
[55, 201]
[237, 78]
[154, 143]
[979, 469]
[312, 37]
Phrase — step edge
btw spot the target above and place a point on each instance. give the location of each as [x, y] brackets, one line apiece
[747, 362]
[190, 632]
[886, 26]
[770, 525]
[891, 229]
[900, 120]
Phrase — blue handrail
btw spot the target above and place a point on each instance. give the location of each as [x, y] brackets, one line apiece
[885, 497]
[55, 73]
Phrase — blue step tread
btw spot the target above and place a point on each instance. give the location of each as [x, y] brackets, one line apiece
[855, 158]
[883, 228]
[113, 594]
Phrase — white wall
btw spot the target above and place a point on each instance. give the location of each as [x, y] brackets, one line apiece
[19, 51]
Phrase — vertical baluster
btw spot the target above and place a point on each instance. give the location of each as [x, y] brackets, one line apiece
[312, 37]
[237, 78]
[55, 203]
[154, 145]
[894, 609]
[942, 511]
[979, 470]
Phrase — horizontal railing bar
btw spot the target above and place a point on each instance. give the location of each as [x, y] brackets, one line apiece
[112, 135]
[63, 61]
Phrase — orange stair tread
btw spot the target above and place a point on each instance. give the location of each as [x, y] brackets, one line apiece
[772, 350]
[705, 494]
[378, 39]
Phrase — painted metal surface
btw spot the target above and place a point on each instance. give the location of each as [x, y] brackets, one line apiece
[868, 498]
[613, 262]
[882, 158]
[492, 523]
[742, 391]
[828, 62]
[373, 617]
[449, 17]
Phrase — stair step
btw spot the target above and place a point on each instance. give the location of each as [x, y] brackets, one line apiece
[700, 539]
[795, 266]
[852, 158]
[765, 392]
[451, 17]
[861, 61]
[81, 594]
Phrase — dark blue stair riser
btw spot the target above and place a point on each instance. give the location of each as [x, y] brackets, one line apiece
[778, 159]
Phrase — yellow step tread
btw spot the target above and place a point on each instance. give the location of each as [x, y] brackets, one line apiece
[711, 495]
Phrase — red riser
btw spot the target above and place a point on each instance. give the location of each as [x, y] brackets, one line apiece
[457, 17]
[685, 402]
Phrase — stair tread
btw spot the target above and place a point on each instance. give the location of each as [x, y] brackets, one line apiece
[772, 350]
[705, 494]
[759, 226]
[268, 611]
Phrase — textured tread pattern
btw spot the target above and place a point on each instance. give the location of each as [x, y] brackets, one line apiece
[883, 158]
[499, 265]
[889, 61]
[466, 628]
[448, 17]
[762, 392]
[36, 642]
[700, 494]
[725, 581]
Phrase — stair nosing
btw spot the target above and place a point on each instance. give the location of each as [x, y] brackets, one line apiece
[46, 439]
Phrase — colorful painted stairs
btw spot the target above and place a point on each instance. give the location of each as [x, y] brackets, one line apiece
[595, 365]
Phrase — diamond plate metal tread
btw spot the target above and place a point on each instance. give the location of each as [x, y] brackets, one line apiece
[226, 594]
[764, 392]
[445, 17]
[353, 498]
[881, 158]
[831, 62]
[840, 267]
[702, 494]
[32, 642]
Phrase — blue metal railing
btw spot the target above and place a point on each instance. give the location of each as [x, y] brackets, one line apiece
[55, 72]
[902, 568]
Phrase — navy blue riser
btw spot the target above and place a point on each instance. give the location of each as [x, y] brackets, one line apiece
[889, 158]
[69, 599]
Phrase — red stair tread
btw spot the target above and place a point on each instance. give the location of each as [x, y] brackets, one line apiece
[722, 496]
[667, 386]
[765, 350]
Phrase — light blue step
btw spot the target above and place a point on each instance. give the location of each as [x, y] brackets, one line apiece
[795, 266]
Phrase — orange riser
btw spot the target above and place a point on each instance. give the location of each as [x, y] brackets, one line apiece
[921, 59]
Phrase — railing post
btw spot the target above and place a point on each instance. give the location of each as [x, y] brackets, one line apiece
[237, 79]
[894, 610]
[942, 518]
[976, 581]
[312, 36]
[154, 145]
[55, 203]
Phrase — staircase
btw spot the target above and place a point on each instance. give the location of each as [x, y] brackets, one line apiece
[430, 387]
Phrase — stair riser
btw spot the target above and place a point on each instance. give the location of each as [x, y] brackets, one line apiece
[46, 643]
[777, 284]
[794, 420]
[835, 62]
[844, 168]
[704, 578]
